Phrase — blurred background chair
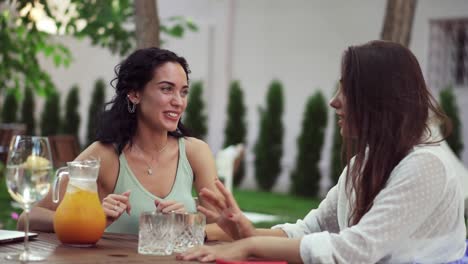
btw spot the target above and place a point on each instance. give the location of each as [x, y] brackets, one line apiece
[64, 148]
[228, 161]
[7, 131]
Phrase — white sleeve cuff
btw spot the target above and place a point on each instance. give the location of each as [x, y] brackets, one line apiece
[290, 230]
[317, 248]
[301, 227]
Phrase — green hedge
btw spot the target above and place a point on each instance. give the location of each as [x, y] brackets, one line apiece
[336, 165]
[10, 107]
[195, 118]
[269, 147]
[95, 107]
[50, 119]
[236, 129]
[306, 175]
[28, 110]
[448, 103]
[72, 119]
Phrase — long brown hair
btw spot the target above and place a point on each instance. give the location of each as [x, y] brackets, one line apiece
[387, 109]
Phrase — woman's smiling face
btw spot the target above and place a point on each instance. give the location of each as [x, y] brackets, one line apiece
[164, 98]
[338, 103]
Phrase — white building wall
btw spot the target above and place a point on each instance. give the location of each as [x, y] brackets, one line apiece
[429, 10]
[299, 42]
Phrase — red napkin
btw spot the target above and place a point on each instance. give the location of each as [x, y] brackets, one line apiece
[222, 261]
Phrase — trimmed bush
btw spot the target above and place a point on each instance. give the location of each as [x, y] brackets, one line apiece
[336, 166]
[236, 130]
[50, 119]
[28, 110]
[306, 176]
[72, 119]
[195, 119]
[269, 147]
[95, 107]
[448, 102]
[10, 107]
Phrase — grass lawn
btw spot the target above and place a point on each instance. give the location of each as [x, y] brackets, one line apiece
[289, 207]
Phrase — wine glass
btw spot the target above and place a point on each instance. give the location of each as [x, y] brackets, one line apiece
[28, 178]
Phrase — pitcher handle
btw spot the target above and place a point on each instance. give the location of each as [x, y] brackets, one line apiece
[56, 186]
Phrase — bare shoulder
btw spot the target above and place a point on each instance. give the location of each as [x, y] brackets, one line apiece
[109, 164]
[98, 150]
[202, 162]
[195, 145]
[105, 152]
[198, 152]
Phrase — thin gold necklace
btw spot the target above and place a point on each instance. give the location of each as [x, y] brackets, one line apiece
[149, 169]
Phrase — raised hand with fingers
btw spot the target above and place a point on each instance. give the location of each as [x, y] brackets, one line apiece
[227, 213]
[115, 205]
[169, 206]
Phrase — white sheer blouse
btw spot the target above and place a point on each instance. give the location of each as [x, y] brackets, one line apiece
[416, 218]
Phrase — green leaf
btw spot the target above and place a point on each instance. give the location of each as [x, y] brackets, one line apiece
[41, 91]
[176, 18]
[192, 26]
[48, 50]
[66, 62]
[163, 28]
[177, 31]
[21, 41]
[40, 46]
[57, 60]
[6, 14]
[20, 31]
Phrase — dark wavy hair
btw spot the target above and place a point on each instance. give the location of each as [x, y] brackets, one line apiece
[116, 124]
[387, 109]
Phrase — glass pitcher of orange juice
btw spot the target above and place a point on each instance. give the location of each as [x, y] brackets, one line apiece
[79, 219]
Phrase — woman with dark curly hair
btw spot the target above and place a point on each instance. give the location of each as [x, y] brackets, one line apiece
[399, 198]
[148, 160]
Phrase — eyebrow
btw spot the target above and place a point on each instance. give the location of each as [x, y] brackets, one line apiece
[170, 83]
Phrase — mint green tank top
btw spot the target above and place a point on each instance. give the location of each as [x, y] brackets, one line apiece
[142, 200]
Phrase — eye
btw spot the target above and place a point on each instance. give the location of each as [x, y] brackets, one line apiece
[184, 92]
[166, 89]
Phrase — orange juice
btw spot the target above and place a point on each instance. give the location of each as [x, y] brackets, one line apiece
[79, 220]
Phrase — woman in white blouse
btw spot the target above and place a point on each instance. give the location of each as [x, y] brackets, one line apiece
[397, 201]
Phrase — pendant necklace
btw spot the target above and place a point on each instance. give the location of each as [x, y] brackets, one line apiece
[149, 169]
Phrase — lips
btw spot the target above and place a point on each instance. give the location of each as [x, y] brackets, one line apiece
[173, 115]
[340, 119]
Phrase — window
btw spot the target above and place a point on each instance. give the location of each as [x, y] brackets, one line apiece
[448, 53]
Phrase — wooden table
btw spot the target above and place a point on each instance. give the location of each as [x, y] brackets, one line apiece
[112, 248]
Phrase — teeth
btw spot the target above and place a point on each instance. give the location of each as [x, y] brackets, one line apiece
[172, 114]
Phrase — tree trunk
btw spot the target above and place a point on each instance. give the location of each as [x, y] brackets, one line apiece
[146, 23]
[398, 22]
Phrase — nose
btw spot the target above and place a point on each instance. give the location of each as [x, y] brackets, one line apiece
[335, 101]
[177, 99]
